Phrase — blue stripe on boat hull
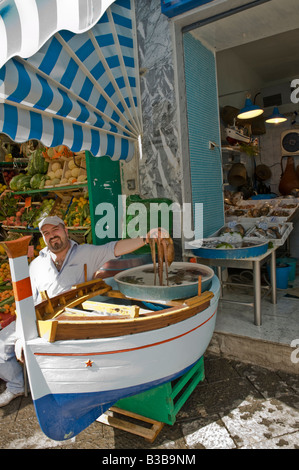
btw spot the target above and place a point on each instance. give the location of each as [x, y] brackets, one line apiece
[63, 416]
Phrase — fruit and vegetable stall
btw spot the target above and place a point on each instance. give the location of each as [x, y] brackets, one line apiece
[38, 182]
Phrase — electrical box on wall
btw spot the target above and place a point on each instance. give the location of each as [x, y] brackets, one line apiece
[290, 142]
[278, 95]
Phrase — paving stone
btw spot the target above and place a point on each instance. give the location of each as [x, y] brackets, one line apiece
[217, 369]
[237, 406]
[219, 397]
[291, 380]
[290, 441]
[211, 436]
[267, 382]
[257, 420]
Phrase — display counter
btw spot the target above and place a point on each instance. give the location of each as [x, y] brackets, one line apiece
[252, 263]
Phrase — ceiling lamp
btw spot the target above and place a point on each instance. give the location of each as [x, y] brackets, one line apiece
[276, 117]
[250, 110]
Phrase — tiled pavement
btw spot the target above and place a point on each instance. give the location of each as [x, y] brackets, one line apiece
[237, 406]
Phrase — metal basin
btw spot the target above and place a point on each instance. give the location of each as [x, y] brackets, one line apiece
[138, 283]
[114, 266]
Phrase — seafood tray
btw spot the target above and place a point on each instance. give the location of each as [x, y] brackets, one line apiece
[261, 230]
[277, 215]
[292, 203]
[277, 233]
[278, 210]
[236, 240]
[251, 209]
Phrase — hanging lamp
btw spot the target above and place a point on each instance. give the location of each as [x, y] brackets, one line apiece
[276, 117]
[250, 110]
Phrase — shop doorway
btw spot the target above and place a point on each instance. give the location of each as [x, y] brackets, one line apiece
[204, 138]
[252, 48]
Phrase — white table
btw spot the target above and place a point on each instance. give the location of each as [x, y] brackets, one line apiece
[254, 263]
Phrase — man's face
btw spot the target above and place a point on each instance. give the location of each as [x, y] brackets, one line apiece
[55, 237]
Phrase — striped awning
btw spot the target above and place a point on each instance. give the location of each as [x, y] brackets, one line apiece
[80, 88]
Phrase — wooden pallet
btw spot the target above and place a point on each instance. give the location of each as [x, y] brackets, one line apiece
[141, 429]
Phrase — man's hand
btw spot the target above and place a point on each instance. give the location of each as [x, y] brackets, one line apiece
[156, 233]
[19, 351]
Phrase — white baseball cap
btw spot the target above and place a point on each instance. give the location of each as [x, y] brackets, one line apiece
[51, 220]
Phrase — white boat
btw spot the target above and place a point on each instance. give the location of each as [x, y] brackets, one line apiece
[74, 381]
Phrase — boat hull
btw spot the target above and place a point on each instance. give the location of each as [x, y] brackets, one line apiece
[73, 382]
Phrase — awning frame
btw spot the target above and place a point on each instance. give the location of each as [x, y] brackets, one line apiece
[124, 120]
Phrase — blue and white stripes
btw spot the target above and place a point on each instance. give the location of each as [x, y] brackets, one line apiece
[25, 25]
[79, 90]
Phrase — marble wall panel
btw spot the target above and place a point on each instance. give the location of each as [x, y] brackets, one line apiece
[160, 166]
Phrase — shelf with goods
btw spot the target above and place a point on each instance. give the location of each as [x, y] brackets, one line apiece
[7, 301]
[35, 195]
[41, 190]
[103, 183]
[67, 207]
[8, 170]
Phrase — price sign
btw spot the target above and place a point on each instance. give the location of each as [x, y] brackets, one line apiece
[28, 201]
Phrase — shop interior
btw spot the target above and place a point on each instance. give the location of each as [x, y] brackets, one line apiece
[253, 63]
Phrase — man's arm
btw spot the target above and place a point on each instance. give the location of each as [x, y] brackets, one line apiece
[122, 247]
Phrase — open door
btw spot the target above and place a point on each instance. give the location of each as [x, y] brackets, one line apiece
[203, 127]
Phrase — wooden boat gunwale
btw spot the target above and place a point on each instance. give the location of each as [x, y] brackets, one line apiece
[64, 326]
[54, 306]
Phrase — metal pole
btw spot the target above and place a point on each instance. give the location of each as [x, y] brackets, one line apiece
[257, 293]
[273, 277]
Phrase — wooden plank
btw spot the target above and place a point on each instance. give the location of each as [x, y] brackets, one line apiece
[93, 287]
[166, 303]
[148, 433]
[89, 283]
[199, 299]
[131, 310]
[49, 307]
[47, 330]
[81, 299]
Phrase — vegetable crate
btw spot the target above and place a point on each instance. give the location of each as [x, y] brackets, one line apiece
[164, 402]
[66, 171]
[74, 171]
[61, 206]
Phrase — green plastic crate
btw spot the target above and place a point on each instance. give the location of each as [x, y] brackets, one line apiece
[162, 403]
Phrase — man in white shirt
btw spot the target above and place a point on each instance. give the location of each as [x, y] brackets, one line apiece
[57, 268]
[61, 264]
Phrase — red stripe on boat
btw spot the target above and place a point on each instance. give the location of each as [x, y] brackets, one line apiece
[22, 289]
